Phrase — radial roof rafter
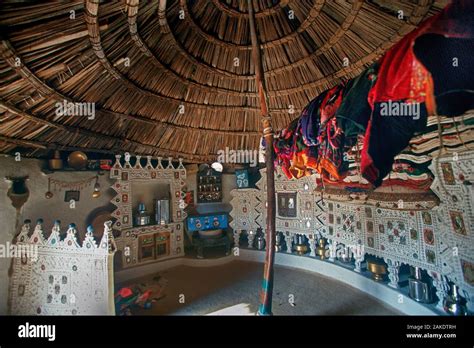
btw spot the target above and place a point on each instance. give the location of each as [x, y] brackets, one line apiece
[175, 65]
[91, 16]
[165, 28]
[307, 22]
[137, 39]
[264, 13]
[9, 55]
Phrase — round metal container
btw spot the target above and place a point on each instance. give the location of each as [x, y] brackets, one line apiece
[419, 291]
[301, 249]
[321, 249]
[260, 243]
[142, 220]
[417, 288]
[77, 160]
[377, 269]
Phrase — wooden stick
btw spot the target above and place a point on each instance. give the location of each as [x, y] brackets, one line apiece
[266, 292]
[22, 142]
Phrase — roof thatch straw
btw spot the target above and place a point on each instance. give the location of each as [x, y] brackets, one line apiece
[176, 77]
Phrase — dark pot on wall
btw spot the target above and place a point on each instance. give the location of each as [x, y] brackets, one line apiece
[18, 192]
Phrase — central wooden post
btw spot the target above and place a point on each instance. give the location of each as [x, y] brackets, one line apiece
[266, 292]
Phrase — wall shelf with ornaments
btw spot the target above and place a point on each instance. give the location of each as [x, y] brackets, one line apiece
[150, 209]
[209, 185]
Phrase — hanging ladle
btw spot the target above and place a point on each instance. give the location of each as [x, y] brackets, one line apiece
[49, 194]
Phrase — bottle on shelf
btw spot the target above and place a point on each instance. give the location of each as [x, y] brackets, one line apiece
[142, 217]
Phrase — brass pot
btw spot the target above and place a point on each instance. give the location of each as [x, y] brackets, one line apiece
[301, 249]
[56, 162]
[321, 249]
[378, 269]
[77, 160]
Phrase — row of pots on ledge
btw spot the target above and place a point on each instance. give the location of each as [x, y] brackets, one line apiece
[419, 287]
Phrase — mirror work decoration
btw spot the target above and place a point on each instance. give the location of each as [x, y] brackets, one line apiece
[58, 275]
[429, 230]
[152, 242]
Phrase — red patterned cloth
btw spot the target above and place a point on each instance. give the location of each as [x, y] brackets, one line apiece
[403, 78]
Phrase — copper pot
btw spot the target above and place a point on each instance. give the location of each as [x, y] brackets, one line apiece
[56, 162]
[301, 249]
[378, 269]
[77, 160]
[321, 248]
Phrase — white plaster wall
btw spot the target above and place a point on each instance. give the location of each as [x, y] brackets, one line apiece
[38, 206]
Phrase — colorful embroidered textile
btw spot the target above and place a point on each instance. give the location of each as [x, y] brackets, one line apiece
[354, 112]
[310, 121]
[388, 103]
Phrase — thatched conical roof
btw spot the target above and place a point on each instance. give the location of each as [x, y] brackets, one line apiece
[176, 77]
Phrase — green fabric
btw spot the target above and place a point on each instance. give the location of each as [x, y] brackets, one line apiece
[354, 112]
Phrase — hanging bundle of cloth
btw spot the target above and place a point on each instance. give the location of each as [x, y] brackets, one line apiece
[326, 130]
[446, 50]
[388, 104]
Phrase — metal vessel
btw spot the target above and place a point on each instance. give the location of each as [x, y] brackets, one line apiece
[419, 290]
[378, 269]
[162, 211]
[321, 248]
[300, 246]
[142, 218]
[278, 242]
[260, 242]
[455, 304]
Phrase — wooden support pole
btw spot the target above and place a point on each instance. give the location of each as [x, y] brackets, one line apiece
[266, 292]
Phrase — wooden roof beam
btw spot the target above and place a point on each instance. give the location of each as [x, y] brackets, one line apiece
[25, 143]
[132, 6]
[9, 54]
[307, 22]
[118, 143]
[55, 146]
[176, 45]
[91, 17]
[267, 12]
[266, 292]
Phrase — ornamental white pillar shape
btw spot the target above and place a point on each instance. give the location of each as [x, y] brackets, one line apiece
[393, 273]
[332, 250]
[237, 238]
[251, 236]
[359, 258]
[312, 245]
[289, 242]
[441, 284]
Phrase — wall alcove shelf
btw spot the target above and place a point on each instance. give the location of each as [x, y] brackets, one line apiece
[142, 183]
